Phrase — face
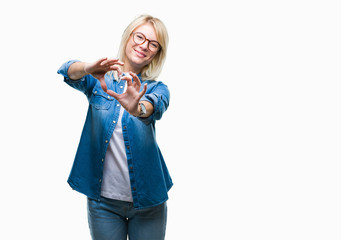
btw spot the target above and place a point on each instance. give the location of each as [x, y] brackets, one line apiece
[139, 55]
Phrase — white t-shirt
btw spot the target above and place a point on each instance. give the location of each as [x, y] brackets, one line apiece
[116, 182]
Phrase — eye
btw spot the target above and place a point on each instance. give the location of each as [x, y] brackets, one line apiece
[154, 44]
[139, 36]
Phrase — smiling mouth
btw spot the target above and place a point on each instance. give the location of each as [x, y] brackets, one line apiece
[140, 54]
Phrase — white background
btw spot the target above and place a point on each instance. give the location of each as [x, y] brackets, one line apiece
[251, 138]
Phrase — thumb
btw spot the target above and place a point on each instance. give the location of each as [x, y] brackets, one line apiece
[143, 91]
[113, 94]
[103, 84]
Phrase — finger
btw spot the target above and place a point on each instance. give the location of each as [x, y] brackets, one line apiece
[113, 94]
[109, 62]
[116, 68]
[136, 79]
[128, 79]
[100, 61]
[117, 61]
[143, 91]
[104, 61]
[119, 71]
[103, 84]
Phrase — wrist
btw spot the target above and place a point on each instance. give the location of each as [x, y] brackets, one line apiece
[77, 70]
[141, 110]
[85, 65]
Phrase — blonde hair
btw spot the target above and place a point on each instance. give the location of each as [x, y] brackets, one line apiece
[153, 69]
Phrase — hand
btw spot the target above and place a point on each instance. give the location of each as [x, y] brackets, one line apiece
[99, 68]
[131, 97]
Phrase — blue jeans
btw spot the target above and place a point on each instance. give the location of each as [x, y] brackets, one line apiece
[114, 220]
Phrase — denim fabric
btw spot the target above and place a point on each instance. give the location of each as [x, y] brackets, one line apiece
[149, 177]
[113, 220]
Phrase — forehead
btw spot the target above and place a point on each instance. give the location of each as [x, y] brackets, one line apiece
[148, 30]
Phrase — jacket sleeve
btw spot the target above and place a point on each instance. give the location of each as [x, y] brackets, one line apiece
[158, 96]
[85, 84]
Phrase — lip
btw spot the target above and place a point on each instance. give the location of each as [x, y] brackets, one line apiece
[140, 54]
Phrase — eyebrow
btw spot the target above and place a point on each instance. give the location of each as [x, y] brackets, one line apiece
[147, 37]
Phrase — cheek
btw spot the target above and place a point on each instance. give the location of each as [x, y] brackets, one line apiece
[152, 56]
[128, 49]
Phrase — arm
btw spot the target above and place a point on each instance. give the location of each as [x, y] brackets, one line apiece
[97, 69]
[83, 76]
[159, 97]
[149, 109]
[76, 71]
[156, 102]
[84, 84]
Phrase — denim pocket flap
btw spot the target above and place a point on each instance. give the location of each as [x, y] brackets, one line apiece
[100, 99]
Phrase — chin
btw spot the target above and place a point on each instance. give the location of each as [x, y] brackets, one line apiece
[137, 61]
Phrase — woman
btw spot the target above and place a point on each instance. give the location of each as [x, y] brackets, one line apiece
[118, 164]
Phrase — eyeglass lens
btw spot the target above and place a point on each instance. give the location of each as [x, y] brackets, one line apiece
[139, 38]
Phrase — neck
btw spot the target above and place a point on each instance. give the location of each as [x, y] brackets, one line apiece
[127, 67]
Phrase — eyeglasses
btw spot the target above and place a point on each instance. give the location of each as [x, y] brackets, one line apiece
[139, 38]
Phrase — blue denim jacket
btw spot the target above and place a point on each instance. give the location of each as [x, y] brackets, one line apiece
[149, 177]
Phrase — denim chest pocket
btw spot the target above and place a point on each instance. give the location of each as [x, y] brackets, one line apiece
[100, 100]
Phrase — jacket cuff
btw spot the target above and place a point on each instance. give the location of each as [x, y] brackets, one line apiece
[64, 69]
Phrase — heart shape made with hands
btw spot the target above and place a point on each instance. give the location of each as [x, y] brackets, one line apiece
[131, 97]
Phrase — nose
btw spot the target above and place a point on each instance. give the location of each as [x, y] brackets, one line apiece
[144, 45]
